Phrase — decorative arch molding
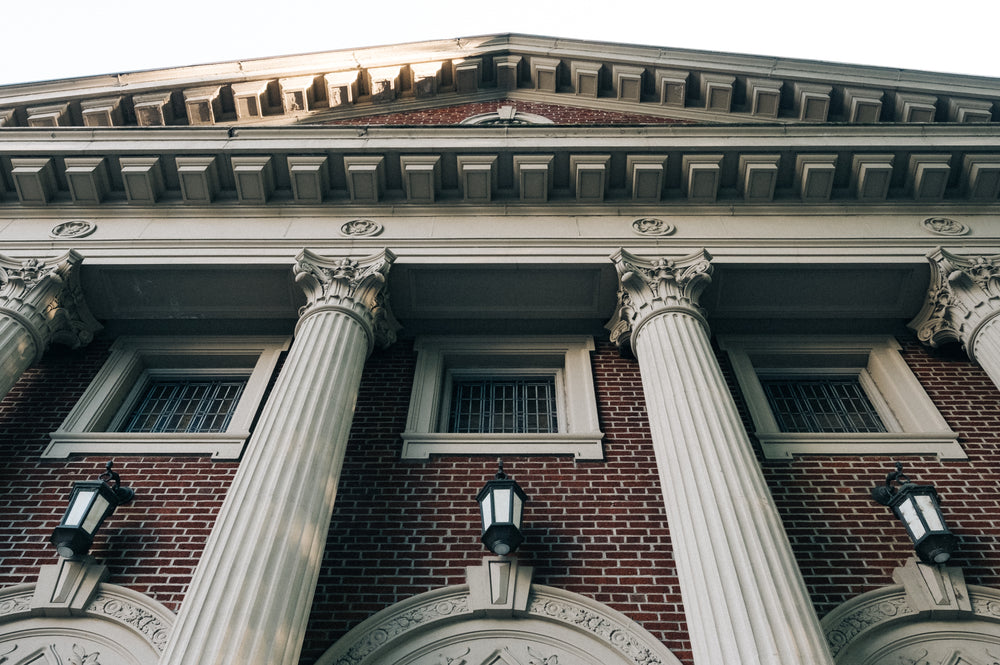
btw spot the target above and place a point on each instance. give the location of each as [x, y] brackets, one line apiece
[498, 618]
[106, 624]
[931, 617]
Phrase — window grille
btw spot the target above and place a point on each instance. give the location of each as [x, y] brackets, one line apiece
[185, 405]
[504, 406]
[821, 404]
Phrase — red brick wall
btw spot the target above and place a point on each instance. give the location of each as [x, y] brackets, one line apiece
[595, 528]
[152, 544]
[559, 114]
[847, 544]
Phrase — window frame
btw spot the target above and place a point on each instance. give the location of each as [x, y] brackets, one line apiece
[914, 424]
[490, 373]
[88, 429]
[566, 358]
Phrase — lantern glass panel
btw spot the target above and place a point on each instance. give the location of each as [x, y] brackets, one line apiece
[97, 513]
[908, 511]
[78, 510]
[930, 512]
[487, 508]
[501, 497]
[517, 510]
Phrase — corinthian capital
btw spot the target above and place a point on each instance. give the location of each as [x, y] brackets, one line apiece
[964, 294]
[353, 286]
[648, 287]
[44, 296]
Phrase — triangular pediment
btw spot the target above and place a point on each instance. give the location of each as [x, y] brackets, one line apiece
[631, 84]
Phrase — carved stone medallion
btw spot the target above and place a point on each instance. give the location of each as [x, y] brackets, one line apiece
[77, 228]
[945, 226]
[361, 228]
[651, 226]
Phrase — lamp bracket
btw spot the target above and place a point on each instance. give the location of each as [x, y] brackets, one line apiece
[124, 494]
[884, 493]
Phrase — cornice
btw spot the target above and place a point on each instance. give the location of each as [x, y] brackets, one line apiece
[699, 85]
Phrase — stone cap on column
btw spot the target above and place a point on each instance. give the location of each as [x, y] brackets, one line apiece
[964, 294]
[647, 287]
[353, 286]
[45, 296]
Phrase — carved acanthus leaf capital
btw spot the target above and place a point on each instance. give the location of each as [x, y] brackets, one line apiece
[45, 295]
[964, 292]
[647, 287]
[356, 286]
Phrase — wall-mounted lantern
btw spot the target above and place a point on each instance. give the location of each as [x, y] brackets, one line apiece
[501, 503]
[91, 502]
[918, 507]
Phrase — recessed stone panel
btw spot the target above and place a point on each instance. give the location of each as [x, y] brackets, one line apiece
[468, 75]
[309, 176]
[764, 97]
[700, 177]
[507, 71]
[927, 176]
[586, 77]
[203, 105]
[863, 105]
[970, 110]
[298, 93]
[421, 177]
[814, 176]
[199, 179]
[104, 112]
[34, 179]
[87, 178]
[871, 176]
[589, 177]
[628, 82]
[341, 88]
[644, 176]
[383, 84]
[671, 86]
[249, 99]
[142, 178]
[254, 177]
[717, 91]
[758, 175]
[477, 177]
[545, 74]
[811, 101]
[365, 177]
[912, 107]
[533, 177]
[153, 110]
[981, 176]
[52, 115]
[426, 79]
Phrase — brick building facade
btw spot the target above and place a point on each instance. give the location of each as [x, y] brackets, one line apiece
[352, 246]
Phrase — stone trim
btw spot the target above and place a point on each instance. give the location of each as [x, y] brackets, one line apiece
[452, 605]
[126, 609]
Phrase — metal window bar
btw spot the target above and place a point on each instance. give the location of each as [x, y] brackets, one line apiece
[504, 406]
[821, 404]
[185, 406]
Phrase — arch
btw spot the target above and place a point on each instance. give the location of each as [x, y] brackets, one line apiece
[116, 626]
[930, 616]
[498, 618]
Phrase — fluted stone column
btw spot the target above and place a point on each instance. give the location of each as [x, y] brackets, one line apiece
[249, 599]
[40, 303]
[962, 305]
[744, 597]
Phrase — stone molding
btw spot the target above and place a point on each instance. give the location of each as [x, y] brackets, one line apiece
[650, 287]
[930, 604]
[367, 642]
[126, 610]
[353, 286]
[45, 297]
[964, 295]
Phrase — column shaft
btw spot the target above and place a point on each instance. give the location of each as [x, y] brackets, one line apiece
[249, 600]
[744, 597]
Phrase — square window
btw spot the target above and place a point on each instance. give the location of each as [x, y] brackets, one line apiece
[171, 396]
[503, 395]
[836, 395]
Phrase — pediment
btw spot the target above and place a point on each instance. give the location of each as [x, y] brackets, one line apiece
[637, 82]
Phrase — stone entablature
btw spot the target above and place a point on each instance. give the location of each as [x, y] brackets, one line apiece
[565, 165]
[692, 84]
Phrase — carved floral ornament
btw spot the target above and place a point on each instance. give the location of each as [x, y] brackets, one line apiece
[648, 287]
[117, 626]
[964, 294]
[651, 226]
[77, 228]
[930, 618]
[518, 623]
[361, 228]
[944, 226]
[356, 287]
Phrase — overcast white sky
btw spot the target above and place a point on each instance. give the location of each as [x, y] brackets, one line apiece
[49, 39]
